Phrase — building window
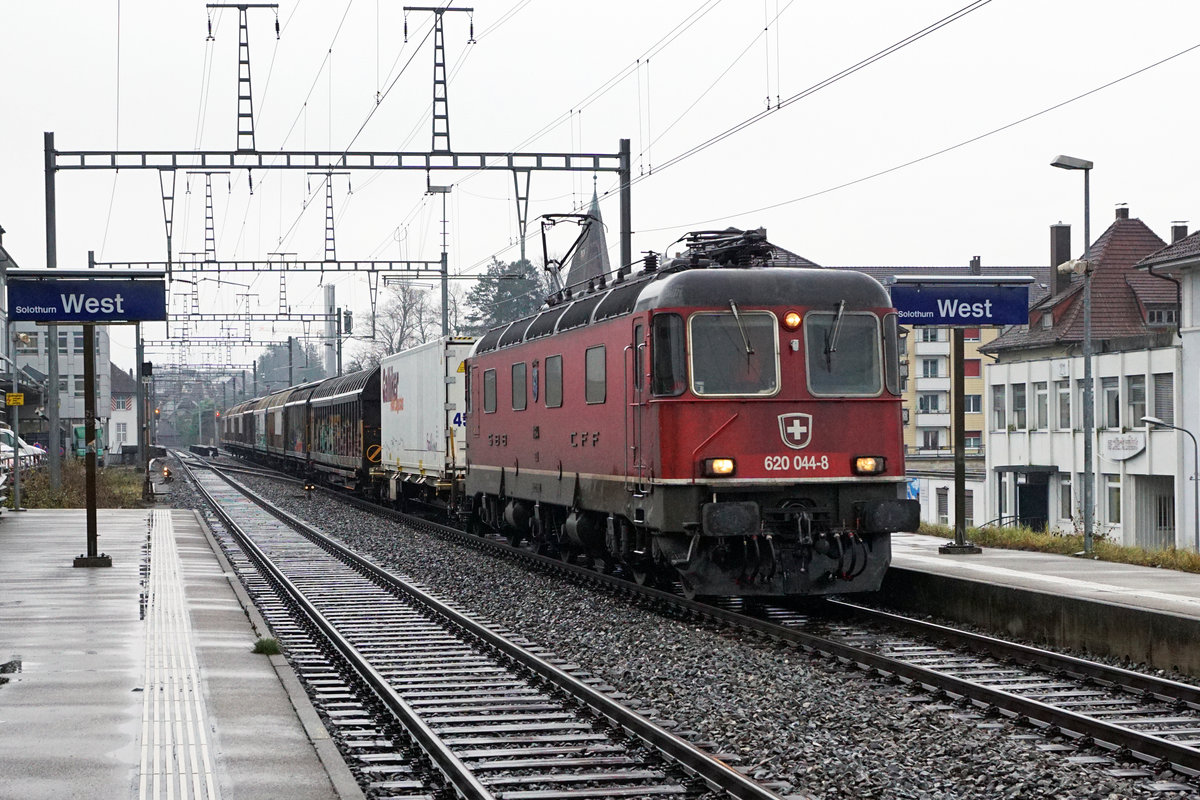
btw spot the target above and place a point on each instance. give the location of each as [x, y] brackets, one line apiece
[1161, 316]
[1002, 494]
[518, 387]
[1063, 390]
[1018, 403]
[29, 348]
[1041, 405]
[943, 506]
[1164, 397]
[904, 383]
[930, 334]
[998, 403]
[971, 367]
[969, 509]
[1111, 392]
[553, 381]
[120, 432]
[904, 416]
[930, 439]
[489, 391]
[78, 337]
[1135, 396]
[972, 403]
[62, 343]
[594, 387]
[970, 334]
[972, 438]
[1113, 483]
[62, 385]
[928, 403]
[1064, 498]
[78, 386]
[929, 368]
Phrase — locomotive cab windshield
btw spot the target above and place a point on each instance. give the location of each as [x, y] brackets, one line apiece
[734, 353]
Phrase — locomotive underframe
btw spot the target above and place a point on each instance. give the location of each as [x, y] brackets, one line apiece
[746, 539]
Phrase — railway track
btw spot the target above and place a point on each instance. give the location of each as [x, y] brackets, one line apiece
[1132, 716]
[449, 704]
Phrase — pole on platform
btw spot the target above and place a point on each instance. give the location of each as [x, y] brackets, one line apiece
[94, 557]
[960, 545]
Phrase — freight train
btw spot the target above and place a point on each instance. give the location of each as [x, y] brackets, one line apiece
[717, 421]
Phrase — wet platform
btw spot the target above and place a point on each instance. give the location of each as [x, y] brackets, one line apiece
[1146, 614]
[139, 680]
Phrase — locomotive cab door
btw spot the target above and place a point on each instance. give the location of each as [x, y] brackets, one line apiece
[637, 467]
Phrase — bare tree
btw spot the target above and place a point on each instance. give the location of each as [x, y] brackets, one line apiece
[405, 318]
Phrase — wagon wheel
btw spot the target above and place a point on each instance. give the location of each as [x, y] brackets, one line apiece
[687, 588]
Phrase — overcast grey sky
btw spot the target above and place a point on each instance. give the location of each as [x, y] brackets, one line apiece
[555, 75]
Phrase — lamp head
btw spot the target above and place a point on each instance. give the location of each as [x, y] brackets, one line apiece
[1154, 421]
[1070, 162]
[1076, 266]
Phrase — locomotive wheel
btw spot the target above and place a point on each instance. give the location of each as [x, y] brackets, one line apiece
[514, 537]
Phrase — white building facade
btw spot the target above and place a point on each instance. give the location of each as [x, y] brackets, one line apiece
[1035, 445]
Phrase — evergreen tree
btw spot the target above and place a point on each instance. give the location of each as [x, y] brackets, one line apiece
[507, 291]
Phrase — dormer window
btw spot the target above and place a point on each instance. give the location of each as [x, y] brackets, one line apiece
[1163, 315]
[1047, 320]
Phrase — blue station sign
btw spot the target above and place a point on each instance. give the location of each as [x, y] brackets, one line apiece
[951, 305]
[100, 300]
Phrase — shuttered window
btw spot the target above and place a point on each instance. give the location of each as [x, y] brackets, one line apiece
[1164, 397]
[943, 506]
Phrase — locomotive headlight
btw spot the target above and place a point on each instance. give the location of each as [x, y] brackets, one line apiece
[869, 465]
[791, 320]
[718, 467]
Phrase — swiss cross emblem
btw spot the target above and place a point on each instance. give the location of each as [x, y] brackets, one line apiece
[795, 430]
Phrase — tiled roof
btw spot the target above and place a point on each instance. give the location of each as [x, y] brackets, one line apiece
[1115, 310]
[122, 382]
[1186, 249]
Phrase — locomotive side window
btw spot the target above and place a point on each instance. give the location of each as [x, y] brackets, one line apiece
[594, 375]
[553, 381]
[842, 354]
[891, 353]
[734, 354]
[667, 355]
[518, 386]
[489, 391]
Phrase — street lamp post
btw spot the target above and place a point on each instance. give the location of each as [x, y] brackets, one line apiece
[16, 424]
[1089, 405]
[1158, 423]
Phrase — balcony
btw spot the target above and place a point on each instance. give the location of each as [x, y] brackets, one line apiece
[936, 419]
[932, 348]
[932, 384]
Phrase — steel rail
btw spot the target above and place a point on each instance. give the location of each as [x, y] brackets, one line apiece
[1145, 746]
[718, 775]
[1161, 688]
[457, 773]
[715, 773]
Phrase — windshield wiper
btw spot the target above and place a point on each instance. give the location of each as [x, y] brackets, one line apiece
[831, 336]
[741, 329]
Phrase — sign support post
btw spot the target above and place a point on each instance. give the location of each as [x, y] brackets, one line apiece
[94, 557]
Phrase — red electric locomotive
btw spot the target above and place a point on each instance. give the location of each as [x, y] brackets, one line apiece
[718, 421]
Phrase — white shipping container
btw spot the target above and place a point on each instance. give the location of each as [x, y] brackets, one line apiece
[422, 408]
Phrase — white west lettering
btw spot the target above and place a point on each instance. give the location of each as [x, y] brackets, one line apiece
[71, 302]
[951, 307]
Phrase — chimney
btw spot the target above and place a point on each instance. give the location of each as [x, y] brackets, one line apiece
[1178, 230]
[1060, 252]
[976, 267]
[1122, 212]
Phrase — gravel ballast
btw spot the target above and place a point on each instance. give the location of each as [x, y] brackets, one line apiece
[826, 731]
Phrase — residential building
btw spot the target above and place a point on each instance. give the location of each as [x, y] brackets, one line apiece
[122, 423]
[1180, 261]
[1034, 400]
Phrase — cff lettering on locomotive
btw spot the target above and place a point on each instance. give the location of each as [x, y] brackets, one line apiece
[719, 421]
